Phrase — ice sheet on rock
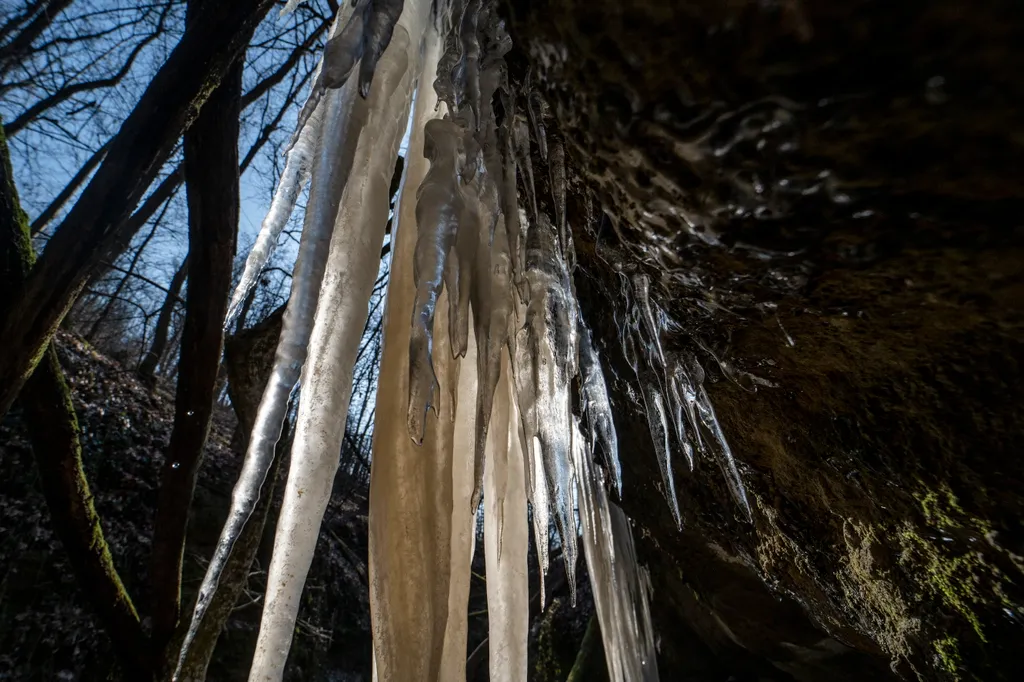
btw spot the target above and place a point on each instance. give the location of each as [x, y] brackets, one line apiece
[344, 114]
[506, 539]
[341, 314]
[619, 585]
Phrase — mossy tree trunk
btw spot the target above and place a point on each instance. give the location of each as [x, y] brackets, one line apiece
[54, 434]
[95, 227]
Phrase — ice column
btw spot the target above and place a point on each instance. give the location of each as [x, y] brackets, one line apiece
[411, 485]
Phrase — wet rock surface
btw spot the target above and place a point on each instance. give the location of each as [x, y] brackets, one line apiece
[826, 198]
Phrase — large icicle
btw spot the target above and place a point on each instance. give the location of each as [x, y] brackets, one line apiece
[619, 584]
[463, 523]
[506, 539]
[337, 124]
[411, 487]
[337, 329]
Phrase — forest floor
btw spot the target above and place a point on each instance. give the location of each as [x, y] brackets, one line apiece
[48, 632]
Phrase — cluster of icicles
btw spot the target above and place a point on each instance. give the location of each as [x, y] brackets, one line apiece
[482, 342]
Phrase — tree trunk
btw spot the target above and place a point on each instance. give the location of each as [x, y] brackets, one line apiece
[147, 368]
[590, 665]
[211, 182]
[212, 41]
[54, 434]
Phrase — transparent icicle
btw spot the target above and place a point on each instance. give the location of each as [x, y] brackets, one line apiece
[345, 114]
[547, 346]
[341, 313]
[411, 486]
[298, 160]
[620, 586]
[597, 409]
[506, 542]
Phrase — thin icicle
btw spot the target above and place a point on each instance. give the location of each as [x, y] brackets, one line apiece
[597, 409]
[658, 423]
[619, 584]
[341, 314]
[506, 539]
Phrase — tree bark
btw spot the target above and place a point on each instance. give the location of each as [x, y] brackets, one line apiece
[54, 434]
[147, 368]
[589, 665]
[211, 183]
[210, 44]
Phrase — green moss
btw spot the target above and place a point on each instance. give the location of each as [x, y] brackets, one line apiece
[950, 570]
[948, 654]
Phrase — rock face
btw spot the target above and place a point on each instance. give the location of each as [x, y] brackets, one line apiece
[827, 197]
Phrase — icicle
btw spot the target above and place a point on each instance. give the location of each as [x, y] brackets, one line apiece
[492, 303]
[364, 39]
[411, 487]
[345, 115]
[597, 408]
[619, 585]
[290, 6]
[298, 159]
[521, 142]
[658, 424]
[545, 355]
[556, 167]
[722, 452]
[439, 205]
[348, 280]
[506, 540]
[463, 517]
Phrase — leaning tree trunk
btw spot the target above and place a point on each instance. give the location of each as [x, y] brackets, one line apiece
[211, 183]
[147, 368]
[32, 312]
[54, 434]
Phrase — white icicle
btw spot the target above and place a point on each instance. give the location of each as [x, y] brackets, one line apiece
[298, 159]
[345, 114]
[506, 542]
[411, 486]
[341, 313]
[619, 585]
[463, 515]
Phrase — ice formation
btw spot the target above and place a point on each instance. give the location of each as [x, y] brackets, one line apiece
[485, 353]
